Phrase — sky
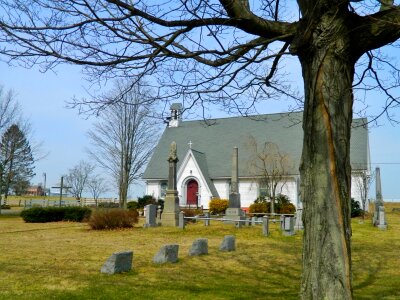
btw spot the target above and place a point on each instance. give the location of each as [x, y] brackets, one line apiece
[62, 131]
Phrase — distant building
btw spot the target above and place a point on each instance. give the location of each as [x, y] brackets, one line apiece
[205, 150]
[34, 190]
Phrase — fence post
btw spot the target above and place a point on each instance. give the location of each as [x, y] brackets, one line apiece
[181, 220]
[207, 220]
[239, 224]
[265, 226]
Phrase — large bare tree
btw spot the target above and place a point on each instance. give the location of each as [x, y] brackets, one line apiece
[124, 137]
[363, 179]
[78, 178]
[10, 111]
[270, 165]
[229, 52]
[97, 185]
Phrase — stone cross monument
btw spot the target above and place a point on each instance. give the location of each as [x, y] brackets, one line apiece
[234, 212]
[170, 216]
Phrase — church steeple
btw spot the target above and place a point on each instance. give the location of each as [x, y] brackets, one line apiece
[176, 115]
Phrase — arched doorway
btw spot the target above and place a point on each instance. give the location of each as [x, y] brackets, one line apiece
[192, 190]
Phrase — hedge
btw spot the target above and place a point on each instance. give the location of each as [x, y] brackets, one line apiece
[55, 214]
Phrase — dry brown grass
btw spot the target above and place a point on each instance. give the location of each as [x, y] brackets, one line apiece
[62, 261]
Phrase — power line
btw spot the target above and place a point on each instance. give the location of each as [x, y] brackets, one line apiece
[386, 163]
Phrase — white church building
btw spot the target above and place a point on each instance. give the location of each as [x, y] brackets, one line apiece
[205, 147]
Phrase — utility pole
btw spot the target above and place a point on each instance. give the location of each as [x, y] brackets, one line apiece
[44, 184]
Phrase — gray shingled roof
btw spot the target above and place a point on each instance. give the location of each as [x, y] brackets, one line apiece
[216, 139]
[202, 163]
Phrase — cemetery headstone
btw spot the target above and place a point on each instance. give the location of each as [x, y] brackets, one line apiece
[228, 243]
[118, 262]
[181, 220]
[151, 215]
[207, 220]
[288, 226]
[281, 219]
[265, 225]
[298, 224]
[167, 253]
[381, 222]
[199, 247]
[253, 221]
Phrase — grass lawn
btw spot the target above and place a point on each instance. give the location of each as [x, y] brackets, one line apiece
[63, 261]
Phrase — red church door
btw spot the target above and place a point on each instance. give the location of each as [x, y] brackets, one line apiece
[192, 192]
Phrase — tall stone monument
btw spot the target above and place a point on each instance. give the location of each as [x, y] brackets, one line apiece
[233, 211]
[170, 216]
[379, 219]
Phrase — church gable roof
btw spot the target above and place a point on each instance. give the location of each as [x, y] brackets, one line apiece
[216, 139]
[202, 164]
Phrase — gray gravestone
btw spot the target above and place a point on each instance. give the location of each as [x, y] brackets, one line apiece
[199, 247]
[167, 253]
[228, 243]
[381, 222]
[298, 224]
[288, 226]
[282, 219]
[265, 224]
[151, 215]
[118, 262]
[207, 220]
[181, 220]
[253, 221]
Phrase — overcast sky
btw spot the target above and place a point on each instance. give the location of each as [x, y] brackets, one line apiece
[43, 98]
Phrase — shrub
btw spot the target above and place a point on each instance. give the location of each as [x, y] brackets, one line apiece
[55, 214]
[281, 201]
[132, 205]
[108, 205]
[218, 206]
[146, 199]
[113, 219]
[191, 212]
[287, 208]
[76, 214]
[356, 211]
[5, 206]
[259, 208]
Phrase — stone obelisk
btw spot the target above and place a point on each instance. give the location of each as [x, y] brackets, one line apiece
[378, 187]
[170, 214]
[234, 196]
[379, 219]
[233, 211]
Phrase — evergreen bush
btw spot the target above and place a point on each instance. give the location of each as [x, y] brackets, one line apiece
[108, 205]
[146, 199]
[356, 210]
[132, 205]
[55, 214]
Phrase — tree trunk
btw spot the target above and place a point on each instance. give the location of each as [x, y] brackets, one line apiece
[325, 167]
